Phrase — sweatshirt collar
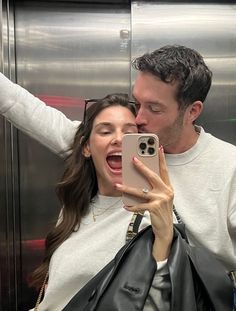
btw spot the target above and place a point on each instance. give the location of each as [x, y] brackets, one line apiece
[193, 152]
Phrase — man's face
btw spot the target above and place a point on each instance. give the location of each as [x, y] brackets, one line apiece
[158, 110]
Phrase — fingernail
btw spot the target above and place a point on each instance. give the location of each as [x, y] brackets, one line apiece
[135, 159]
[161, 149]
[118, 185]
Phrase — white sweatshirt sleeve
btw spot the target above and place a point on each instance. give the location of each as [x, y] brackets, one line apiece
[232, 214]
[159, 296]
[47, 125]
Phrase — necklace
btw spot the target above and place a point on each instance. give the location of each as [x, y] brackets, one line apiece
[103, 210]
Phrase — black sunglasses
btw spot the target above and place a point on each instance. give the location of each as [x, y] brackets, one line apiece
[87, 103]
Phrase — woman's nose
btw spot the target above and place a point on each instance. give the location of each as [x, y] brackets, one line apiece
[117, 139]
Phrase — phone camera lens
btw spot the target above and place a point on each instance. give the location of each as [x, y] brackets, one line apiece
[151, 150]
[151, 141]
[142, 146]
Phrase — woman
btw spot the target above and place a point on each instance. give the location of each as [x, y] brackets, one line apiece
[94, 222]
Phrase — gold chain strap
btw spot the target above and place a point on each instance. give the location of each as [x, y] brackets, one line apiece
[42, 289]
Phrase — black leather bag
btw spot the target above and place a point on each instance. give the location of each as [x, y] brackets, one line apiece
[198, 281]
[123, 284]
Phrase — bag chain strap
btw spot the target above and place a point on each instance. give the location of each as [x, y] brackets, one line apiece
[42, 290]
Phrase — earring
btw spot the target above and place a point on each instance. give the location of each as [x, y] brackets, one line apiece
[87, 156]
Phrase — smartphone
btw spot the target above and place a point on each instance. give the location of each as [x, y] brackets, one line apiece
[143, 146]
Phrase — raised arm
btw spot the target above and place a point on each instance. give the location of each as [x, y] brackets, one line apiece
[47, 125]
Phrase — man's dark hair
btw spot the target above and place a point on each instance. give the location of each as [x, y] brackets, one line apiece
[175, 63]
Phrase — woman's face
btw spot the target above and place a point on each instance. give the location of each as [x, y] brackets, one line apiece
[104, 145]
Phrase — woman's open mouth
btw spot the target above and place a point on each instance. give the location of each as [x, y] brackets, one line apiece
[114, 161]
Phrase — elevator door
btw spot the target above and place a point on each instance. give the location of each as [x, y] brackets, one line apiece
[64, 51]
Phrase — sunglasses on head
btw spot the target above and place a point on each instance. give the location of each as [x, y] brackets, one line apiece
[89, 102]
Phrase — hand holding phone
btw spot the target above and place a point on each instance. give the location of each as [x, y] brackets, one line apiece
[143, 146]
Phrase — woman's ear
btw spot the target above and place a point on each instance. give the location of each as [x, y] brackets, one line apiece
[86, 150]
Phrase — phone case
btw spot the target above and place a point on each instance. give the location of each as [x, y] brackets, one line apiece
[144, 146]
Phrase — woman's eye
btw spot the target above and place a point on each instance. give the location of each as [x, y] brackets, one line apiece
[105, 132]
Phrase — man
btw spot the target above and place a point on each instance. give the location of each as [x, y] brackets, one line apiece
[170, 88]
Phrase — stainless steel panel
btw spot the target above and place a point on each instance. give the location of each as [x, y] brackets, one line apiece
[9, 194]
[208, 28]
[67, 51]
[72, 49]
[63, 52]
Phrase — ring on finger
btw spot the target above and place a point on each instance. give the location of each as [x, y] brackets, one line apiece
[145, 190]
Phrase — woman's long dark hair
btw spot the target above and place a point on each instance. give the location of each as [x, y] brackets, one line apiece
[78, 184]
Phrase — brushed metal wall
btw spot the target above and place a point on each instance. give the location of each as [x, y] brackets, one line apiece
[66, 50]
[10, 245]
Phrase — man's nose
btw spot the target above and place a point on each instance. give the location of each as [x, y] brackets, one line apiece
[140, 118]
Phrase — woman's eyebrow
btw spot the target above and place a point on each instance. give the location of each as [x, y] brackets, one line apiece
[131, 124]
[100, 124]
[103, 124]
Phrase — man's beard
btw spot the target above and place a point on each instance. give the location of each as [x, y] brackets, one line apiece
[172, 133]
